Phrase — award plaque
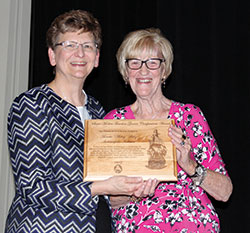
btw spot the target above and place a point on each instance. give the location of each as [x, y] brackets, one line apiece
[130, 148]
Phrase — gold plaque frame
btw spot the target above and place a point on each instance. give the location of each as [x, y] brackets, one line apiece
[130, 148]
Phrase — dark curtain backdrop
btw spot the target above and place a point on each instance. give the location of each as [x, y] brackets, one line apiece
[210, 69]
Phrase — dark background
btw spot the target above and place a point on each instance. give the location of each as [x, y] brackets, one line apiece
[210, 69]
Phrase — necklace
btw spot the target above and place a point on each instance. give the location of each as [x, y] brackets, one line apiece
[73, 100]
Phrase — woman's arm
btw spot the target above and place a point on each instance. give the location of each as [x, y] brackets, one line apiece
[217, 185]
[119, 201]
[133, 192]
[30, 146]
[202, 148]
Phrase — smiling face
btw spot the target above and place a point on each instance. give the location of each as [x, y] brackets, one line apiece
[144, 82]
[75, 64]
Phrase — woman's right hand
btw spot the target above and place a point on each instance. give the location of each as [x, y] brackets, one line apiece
[124, 185]
[146, 189]
[117, 185]
[119, 201]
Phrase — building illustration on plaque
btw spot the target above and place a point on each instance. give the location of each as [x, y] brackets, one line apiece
[157, 152]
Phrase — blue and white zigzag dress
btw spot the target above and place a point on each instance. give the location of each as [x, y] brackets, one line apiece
[46, 141]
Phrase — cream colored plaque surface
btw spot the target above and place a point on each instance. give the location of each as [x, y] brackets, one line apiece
[129, 147]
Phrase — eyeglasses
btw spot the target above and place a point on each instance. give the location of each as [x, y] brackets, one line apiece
[73, 45]
[151, 63]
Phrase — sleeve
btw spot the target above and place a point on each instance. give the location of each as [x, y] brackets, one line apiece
[110, 115]
[120, 113]
[94, 108]
[30, 149]
[205, 148]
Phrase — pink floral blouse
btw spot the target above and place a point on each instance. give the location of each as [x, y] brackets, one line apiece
[176, 206]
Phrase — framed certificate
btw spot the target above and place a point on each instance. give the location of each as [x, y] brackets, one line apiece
[130, 148]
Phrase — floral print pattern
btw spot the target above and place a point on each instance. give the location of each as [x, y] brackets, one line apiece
[176, 206]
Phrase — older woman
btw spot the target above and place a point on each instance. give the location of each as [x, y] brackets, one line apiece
[145, 61]
[46, 138]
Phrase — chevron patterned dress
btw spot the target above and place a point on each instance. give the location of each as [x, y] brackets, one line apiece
[46, 141]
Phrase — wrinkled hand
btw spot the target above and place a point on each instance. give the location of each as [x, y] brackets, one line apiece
[183, 147]
[119, 201]
[123, 185]
[147, 188]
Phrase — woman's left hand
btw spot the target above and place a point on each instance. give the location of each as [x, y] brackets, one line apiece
[183, 146]
[147, 188]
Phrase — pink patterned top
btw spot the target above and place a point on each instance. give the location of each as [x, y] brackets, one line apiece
[176, 206]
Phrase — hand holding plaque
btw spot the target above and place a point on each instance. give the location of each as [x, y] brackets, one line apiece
[129, 148]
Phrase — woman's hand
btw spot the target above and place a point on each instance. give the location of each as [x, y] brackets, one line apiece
[124, 185]
[217, 185]
[119, 201]
[183, 146]
[117, 185]
[146, 189]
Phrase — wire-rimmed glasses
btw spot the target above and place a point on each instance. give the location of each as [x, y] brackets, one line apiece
[73, 45]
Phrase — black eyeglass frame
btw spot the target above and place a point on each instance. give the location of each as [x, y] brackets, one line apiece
[145, 61]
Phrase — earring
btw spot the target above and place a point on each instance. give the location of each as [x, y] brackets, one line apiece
[126, 82]
[163, 81]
